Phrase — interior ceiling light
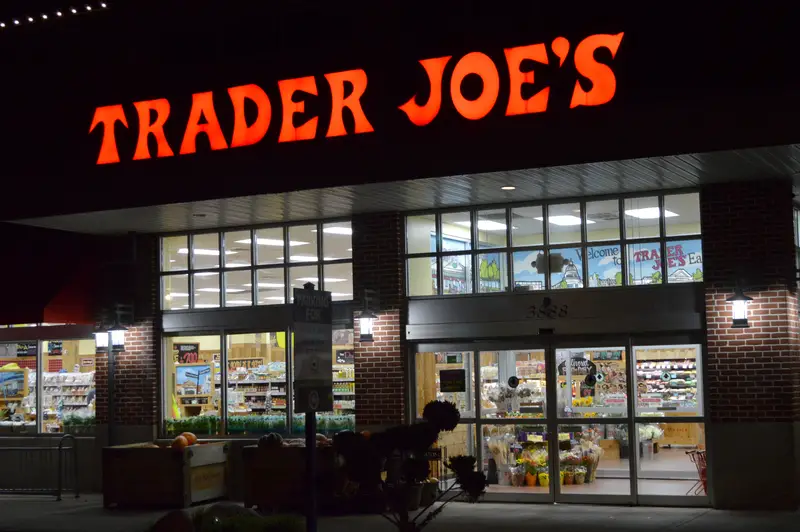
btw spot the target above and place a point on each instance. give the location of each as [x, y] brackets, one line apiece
[44, 16]
[178, 294]
[239, 302]
[336, 230]
[30, 19]
[508, 187]
[265, 285]
[273, 298]
[485, 225]
[58, 13]
[649, 213]
[201, 251]
[206, 305]
[73, 10]
[564, 220]
[314, 280]
[206, 274]
[272, 242]
[227, 290]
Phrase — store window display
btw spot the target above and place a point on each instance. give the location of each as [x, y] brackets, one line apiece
[668, 380]
[256, 371]
[192, 384]
[671, 458]
[68, 386]
[445, 376]
[18, 364]
[516, 457]
[513, 384]
[592, 382]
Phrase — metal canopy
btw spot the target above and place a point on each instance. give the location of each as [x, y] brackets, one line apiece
[588, 179]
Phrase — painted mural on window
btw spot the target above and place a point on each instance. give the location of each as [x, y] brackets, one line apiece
[644, 263]
[571, 274]
[605, 265]
[685, 261]
[492, 276]
[526, 277]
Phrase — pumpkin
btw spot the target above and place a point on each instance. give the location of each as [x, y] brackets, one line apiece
[190, 437]
[180, 442]
[366, 434]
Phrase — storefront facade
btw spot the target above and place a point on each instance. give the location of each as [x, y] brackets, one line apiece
[553, 223]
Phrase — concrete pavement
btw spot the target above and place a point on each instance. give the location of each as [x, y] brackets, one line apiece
[40, 514]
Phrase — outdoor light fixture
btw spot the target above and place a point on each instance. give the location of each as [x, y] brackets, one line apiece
[740, 302]
[117, 337]
[101, 341]
[366, 325]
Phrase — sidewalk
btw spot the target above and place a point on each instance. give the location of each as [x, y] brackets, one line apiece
[40, 514]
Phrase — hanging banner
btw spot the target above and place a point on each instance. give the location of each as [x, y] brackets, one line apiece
[55, 348]
[313, 344]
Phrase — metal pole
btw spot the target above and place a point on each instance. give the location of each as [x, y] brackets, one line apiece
[111, 403]
[311, 470]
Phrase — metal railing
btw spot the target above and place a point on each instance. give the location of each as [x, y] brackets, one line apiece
[29, 469]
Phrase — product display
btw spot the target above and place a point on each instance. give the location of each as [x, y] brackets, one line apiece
[667, 380]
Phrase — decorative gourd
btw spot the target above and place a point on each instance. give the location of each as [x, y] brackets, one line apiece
[190, 437]
[180, 442]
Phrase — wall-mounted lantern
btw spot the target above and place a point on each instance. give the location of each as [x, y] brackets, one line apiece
[116, 335]
[367, 317]
[101, 340]
[740, 302]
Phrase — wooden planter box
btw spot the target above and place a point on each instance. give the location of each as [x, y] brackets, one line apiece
[143, 475]
[274, 478]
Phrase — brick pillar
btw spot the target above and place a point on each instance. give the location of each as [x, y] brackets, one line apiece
[380, 365]
[753, 374]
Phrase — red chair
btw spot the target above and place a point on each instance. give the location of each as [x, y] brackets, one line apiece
[699, 460]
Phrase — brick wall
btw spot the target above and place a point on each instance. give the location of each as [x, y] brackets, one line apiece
[136, 379]
[753, 373]
[380, 365]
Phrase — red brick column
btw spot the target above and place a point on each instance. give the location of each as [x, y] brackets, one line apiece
[380, 365]
[752, 374]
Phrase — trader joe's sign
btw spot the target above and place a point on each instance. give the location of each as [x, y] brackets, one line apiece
[139, 127]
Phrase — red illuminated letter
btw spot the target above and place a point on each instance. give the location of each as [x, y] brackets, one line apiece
[203, 107]
[536, 103]
[108, 116]
[288, 87]
[161, 107]
[244, 135]
[604, 84]
[353, 102]
[482, 65]
[424, 115]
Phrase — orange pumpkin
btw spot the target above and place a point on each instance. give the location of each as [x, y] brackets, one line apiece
[180, 442]
[366, 434]
[190, 437]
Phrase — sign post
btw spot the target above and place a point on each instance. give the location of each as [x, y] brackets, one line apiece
[313, 375]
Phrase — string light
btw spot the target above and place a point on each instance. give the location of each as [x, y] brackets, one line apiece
[16, 22]
[30, 19]
[44, 17]
[2, 24]
[88, 8]
[75, 11]
[58, 13]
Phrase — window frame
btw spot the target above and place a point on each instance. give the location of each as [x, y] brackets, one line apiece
[622, 241]
[222, 269]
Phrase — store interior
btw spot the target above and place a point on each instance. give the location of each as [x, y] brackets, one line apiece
[68, 386]
[255, 370]
[594, 458]
[601, 224]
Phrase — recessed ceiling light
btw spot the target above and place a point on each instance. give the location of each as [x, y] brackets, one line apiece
[201, 251]
[205, 274]
[508, 187]
[485, 225]
[227, 290]
[266, 285]
[336, 294]
[177, 294]
[349, 249]
[272, 242]
[338, 230]
[272, 298]
[238, 302]
[564, 219]
[206, 305]
[314, 280]
[649, 213]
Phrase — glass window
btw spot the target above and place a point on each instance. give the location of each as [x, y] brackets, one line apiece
[256, 367]
[456, 231]
[682, 214]
[456, 274]
[527, 226]
[571, 271]
[492, 272]
[68, 386]
[421, 234]
[205, 251]
[492, 229]
[527, 274]
[421, 274]
[18, 409]
[516, 456]
[564, 223]
[269, 245]
[306, 252]
[668, 381]
[237, 249]
[685, 261]
[642, 218]
[206, 290]
[192, 377]
[594, 459]
[339, 281]
[458, 442]
[669, 454]
[300, 275]
[445, 376]
[605, 265]
[499, 399]
[176, 292]
[271, 286]
[602, 220]
[174, 253]
[644, 263]
[238, 288]
[591, 382]
[337, 241]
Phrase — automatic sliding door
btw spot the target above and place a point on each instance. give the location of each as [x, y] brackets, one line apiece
[513, 425]
[591, 405]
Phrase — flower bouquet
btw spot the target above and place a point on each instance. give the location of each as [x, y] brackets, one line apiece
[580, 474]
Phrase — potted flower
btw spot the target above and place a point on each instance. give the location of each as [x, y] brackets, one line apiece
[580, 474]
[544, 479]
